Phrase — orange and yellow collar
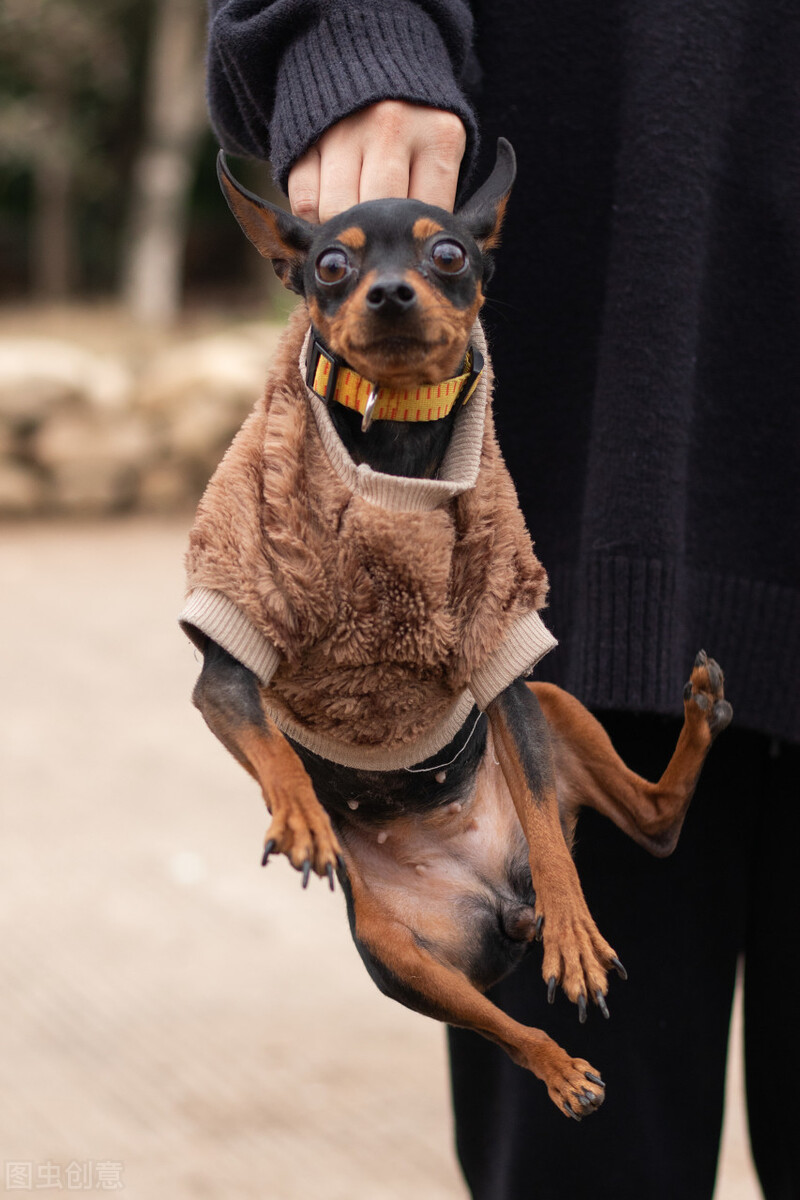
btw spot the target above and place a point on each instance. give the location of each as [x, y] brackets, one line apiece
[333, 380]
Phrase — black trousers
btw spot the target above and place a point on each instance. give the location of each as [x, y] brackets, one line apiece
[679, 925]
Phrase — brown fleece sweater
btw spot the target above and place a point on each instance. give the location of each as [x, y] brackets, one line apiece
[375, 610]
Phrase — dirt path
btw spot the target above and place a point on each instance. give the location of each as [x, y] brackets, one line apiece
[173, 1018]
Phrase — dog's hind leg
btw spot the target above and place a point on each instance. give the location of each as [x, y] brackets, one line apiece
[591, 774]
[405, 967]
[576, 956]
[228, 697]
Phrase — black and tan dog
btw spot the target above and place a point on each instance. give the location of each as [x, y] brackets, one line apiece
[343, 618]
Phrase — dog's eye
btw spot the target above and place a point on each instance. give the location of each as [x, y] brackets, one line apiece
[449, 258]
[332, 266]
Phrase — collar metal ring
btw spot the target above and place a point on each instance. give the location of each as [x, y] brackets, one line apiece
[369, 408]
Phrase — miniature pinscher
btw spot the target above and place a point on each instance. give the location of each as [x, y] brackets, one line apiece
[454, 867]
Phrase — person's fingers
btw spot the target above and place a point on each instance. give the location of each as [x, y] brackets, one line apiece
[387, 133]
[303, 186]
[339, 175]
[392, 148]
[435, 165]
[384, 174]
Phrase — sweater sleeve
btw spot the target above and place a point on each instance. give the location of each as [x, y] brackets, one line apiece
[281, 72]
[209, 613]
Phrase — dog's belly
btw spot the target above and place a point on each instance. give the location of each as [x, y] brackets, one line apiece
[456, 876]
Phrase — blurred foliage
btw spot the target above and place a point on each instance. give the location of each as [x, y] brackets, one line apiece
[71, 91]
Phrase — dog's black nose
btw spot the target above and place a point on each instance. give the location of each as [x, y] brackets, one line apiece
[391, 295]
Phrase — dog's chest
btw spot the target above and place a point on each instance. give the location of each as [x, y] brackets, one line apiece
[396, 577]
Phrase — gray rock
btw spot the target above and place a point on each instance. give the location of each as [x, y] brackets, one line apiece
[37, 375]
[21, 490]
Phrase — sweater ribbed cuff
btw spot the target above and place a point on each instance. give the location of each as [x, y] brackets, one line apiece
[218, 618]
[526, 642]
[354, 58]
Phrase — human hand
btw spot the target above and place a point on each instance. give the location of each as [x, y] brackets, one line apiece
[392, 148]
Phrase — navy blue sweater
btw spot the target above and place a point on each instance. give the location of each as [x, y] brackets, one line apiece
[645, 314]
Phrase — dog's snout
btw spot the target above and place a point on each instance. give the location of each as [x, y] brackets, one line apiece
[391, 295]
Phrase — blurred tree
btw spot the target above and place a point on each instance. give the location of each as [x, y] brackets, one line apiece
[174, 121]
[51, 52]
[106, 178]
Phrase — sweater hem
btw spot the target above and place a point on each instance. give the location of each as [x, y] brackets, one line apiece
[214, 615]
[375, 758]
[630, 629]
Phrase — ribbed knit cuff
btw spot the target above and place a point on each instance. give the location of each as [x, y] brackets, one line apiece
[354, 58]
[216, 616]
[526, 642]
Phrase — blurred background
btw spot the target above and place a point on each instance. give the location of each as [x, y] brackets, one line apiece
[129, 350]
[173, 1020]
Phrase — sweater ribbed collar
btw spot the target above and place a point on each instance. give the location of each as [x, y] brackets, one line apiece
[398, 493]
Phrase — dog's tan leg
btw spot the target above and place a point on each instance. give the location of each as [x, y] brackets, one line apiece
[575, 954]
[591, 773]
[405, 968]
[227, 695]
[300, 826]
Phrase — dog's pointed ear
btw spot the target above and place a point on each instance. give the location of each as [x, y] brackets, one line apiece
[483, 212]
[278, 235]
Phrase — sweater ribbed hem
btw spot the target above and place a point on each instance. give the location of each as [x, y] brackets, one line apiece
[527, 642]
[397, 493]
[635, 604]
[644, 622]
[376, 758]
[218, 618]
[356, 57]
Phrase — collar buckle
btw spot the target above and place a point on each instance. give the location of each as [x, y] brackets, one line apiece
[314, 354]
[475, 371]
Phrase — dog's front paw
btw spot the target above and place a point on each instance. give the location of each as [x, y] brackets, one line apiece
[577, 958]
[704, 696]
[302, 831]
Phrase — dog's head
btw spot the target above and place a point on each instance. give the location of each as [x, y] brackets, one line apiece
[393, 286]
